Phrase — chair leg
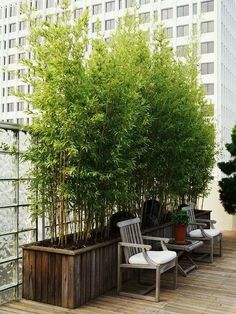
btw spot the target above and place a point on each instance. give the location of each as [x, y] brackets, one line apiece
[175, 274]
[158, 275]
[220, 246]
[212, 250]
[119, 272]
[119, 280]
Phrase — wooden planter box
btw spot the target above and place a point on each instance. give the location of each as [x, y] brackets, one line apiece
[70, 278]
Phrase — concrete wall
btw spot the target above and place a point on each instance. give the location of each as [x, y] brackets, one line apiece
[212, 202]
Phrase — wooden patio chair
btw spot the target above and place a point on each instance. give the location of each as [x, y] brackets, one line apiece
[197, 230]
[138, 255]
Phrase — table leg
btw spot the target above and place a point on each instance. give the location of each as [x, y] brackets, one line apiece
[185, 271]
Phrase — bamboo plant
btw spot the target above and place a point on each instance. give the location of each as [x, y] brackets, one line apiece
[115, 123]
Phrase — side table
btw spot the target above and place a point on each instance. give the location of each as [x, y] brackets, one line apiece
[184, 250]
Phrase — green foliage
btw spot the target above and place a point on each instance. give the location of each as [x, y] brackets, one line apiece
[181, 149]
[180, 217]
[113, 125]
[228, 184]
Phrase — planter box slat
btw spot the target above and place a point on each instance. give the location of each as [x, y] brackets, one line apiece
[51, 282]
[38, 284]
[44, 276]
[58, 279]
[29, 275]
[78, 271]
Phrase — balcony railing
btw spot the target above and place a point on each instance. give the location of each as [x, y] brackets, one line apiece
[16, 227]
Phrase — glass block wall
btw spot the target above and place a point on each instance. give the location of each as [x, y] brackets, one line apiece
[16, 227]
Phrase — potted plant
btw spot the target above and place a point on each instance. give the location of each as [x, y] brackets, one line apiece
[180, 219]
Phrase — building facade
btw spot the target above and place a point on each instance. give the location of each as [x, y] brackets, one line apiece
[214, 22]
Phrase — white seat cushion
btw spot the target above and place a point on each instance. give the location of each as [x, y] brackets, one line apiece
[159, 257]
[198, 234]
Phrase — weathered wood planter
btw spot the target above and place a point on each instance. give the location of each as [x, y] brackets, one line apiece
[70, 278]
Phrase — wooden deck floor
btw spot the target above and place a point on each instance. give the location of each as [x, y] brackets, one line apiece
[210, 289]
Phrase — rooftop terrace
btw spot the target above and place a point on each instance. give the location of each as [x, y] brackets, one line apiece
[210, 289]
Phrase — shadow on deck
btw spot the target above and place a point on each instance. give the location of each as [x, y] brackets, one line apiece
[210, 289]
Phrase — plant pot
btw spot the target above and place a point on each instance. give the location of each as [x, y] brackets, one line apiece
[180, 233]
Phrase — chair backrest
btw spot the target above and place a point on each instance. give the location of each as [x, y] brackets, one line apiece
[130, 233]
[190, 211]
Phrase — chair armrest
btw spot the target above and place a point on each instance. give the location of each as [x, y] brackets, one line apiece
[144, 248]
[162, 240]
[140, 246]
[197, 224]
[210, 221]
[166, 240]
[206, 220]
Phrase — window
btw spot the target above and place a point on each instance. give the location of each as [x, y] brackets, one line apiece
[22, 41]
[21, 88]
[12, 27]
[181, 50]
[10, 106]
[183, 10]
[20, 120]
[49, 3]
[109, 24]
[21, 72]
[207, 68]
[12, 43]
[39, 4]
[207, 47]
[12, 11]
[129, 3]
[10, 90]
[207, 6]
[144, 17]
[207, 27]
[144, 2]
[120, 4]
[11, 59]
[21, 55]
[10, 120]
[167, 14]
[2, 107]
[209, 88]
[11, 75]
[20, 106]
[182, 30]
[194, 29]
[169, 32]
[194, 8]
[110, 6]
[96, 26]
[22, 25]
[78, 12]
[155, 15]
[97, 9]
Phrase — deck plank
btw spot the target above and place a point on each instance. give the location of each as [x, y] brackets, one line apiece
[209, 290]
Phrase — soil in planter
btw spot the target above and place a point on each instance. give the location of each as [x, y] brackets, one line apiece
[71, 244]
